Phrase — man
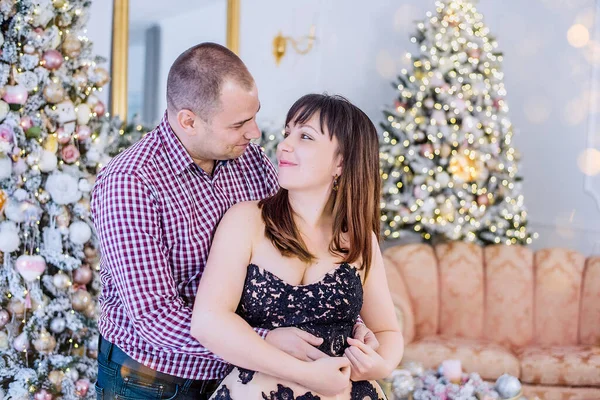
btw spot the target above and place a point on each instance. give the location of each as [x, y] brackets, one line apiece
[156, 207]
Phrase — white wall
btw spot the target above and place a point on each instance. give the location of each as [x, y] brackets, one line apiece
[204, 23]
[99, 31]
[360, 50]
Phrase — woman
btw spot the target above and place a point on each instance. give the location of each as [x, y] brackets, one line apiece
[309, 258]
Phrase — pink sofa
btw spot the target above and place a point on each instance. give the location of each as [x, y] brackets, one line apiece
[502, 309]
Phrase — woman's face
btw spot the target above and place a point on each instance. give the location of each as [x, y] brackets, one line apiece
[307, 158]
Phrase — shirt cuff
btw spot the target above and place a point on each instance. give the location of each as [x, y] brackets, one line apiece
[262, 332]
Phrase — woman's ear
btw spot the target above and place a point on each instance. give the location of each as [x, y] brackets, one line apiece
[339, 165]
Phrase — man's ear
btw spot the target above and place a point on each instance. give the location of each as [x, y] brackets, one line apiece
[187, 120]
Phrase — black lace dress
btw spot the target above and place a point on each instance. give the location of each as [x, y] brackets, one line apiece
[327, 309]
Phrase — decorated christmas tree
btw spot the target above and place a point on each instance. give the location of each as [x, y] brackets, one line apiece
[448, 166]
[54, 136]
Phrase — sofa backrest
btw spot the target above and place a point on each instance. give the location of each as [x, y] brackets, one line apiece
[507, 294]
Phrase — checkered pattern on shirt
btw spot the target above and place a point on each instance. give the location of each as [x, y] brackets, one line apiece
[155, 213]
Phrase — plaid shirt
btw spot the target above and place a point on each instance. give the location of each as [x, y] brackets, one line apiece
[155, 213]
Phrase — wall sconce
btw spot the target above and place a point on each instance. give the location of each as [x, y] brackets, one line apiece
[280, 44]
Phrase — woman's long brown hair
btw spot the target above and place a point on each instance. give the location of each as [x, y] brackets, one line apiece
[356, 202]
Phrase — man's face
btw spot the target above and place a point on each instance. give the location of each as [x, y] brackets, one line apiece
[228, 133]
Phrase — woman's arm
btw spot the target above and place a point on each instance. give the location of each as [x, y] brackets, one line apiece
[216, 325]
[379, 315]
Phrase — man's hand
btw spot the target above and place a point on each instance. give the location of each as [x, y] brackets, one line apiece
[365, 335]
[296, 343]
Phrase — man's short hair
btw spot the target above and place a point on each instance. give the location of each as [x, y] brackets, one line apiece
[197, 75]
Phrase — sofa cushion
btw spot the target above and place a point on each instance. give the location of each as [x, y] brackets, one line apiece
[589, 329]
[509, 295]
[558, 279]
[461, 289]
[486, 358]
[563, 366]
[538, 392]
[418, 266]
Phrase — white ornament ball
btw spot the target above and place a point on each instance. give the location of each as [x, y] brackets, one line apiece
[85, 186]
[508, 386]
[80, 232]
[5, 168]
[20, 167]
[72, 374]
[9, 237]
[83, 114]
[48, 161]
[61, 280]
[443, 178]
[21, 343]
[4, 108]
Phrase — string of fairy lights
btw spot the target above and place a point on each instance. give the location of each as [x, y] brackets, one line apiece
[448, 164]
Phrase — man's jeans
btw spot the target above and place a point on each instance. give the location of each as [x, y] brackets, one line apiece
[121, 377]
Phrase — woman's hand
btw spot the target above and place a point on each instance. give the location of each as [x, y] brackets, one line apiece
[365, 335]
[366, 363]
[328, 376]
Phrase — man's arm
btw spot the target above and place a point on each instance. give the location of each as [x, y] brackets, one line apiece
[127, 220]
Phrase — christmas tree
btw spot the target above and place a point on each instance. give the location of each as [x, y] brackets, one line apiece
[448, 167]
[54, 136]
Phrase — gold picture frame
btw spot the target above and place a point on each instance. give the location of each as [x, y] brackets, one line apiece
[120, 41]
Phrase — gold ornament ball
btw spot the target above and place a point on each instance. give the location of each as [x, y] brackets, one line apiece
[80, 78]
[78, 351]
[51, 143]
[54, 93]
[464, 168]
[446, 150]
[17, 308]
[102, 76]
[56, 377]
[59, 3]
[85, 203]
[35, 305]
[91, 311]
[45, 343]
[71, 46]
[63, 20]
[90, 252]
[63, 219]
[81, 300]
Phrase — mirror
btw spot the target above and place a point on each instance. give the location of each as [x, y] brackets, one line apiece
[147, 39]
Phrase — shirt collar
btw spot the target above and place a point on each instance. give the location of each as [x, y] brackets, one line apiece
[178, 155]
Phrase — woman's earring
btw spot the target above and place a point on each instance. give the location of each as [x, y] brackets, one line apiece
[335, 182]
